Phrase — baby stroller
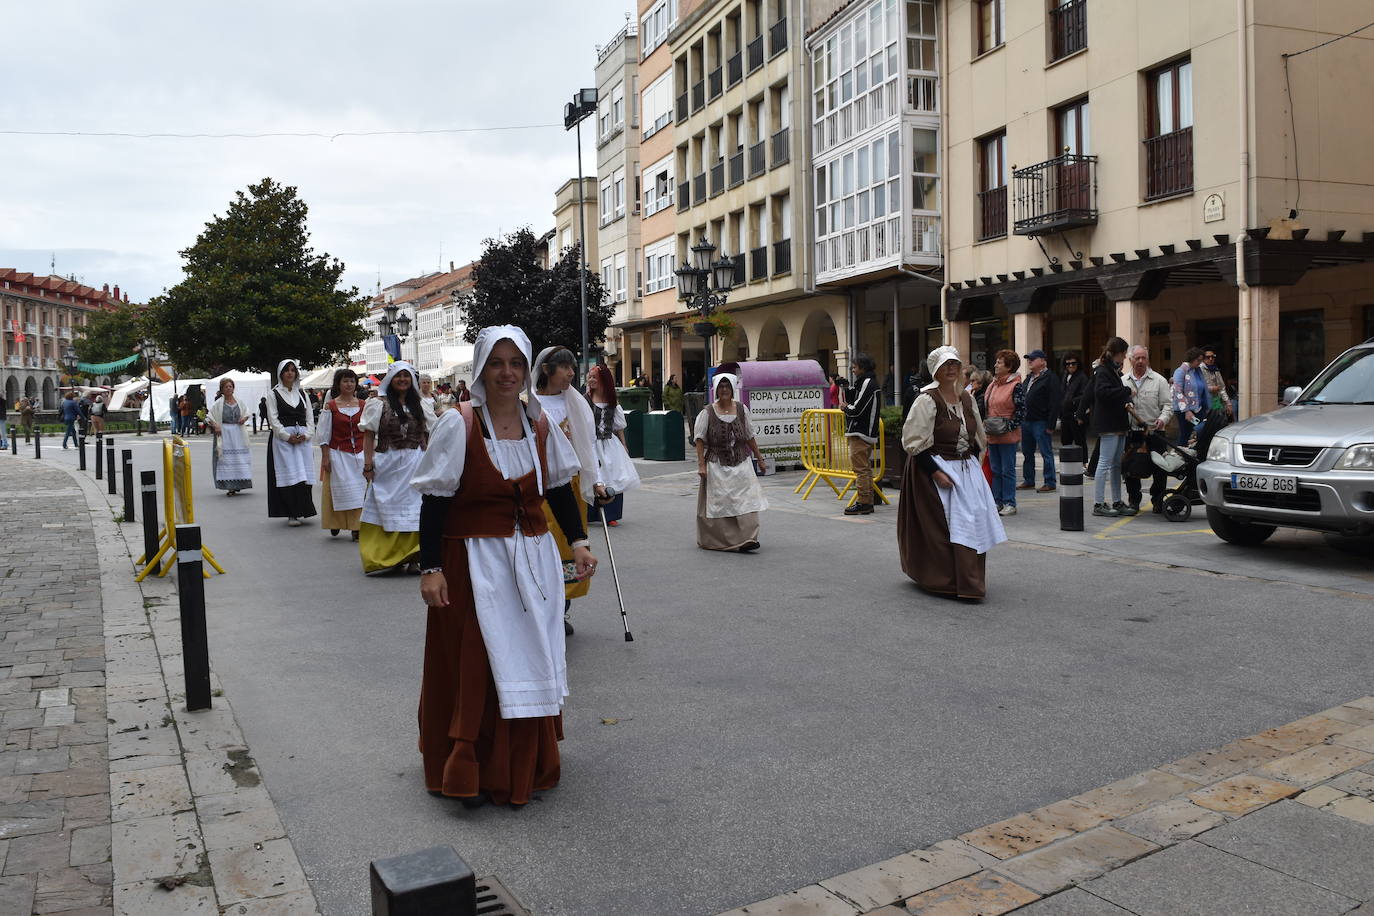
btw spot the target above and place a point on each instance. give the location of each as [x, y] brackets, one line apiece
[1181, 461]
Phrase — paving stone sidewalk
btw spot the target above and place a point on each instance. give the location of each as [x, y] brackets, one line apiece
[1275, 824]
[114, 799]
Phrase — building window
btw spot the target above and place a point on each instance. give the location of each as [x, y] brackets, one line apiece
[859, 204]
[657, 104]
[854, 75]
[618, 193]
[1169, 130]
[658, 185]
[1068, 27]
[620, 276]
[658, 265]
[991, 14]
[604, 202]
[992, 186]
[607, 275]
[618, 107]
[655, 24]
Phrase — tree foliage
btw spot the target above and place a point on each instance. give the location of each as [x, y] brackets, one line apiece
[112, 335]
[255, 292]
[512, 287]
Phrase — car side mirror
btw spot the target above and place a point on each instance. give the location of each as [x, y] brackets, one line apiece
[1291, 394]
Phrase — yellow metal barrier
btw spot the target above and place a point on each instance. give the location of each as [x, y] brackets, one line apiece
[825, 455]
[178, 508]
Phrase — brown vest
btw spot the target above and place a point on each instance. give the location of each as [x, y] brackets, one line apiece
[392, 433]
[726, 442]
[946, 432]
[486, 504]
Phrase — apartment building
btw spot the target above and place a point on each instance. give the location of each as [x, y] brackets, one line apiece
[574, 210]
[1175, 172]
[618, 185]
[42, 315]
[435, 344]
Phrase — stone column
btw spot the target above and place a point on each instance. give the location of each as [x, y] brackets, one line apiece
[672, 355]
[627, 358]
[1028, 331]
[1259, 350]
[646, 350]
[1133, 324]
[959, 335]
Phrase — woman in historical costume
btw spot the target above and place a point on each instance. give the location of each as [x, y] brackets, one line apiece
[230, 458]
[290, 464]
[495, 673]
[395, 433]
[613, 456]
[555, 370]
[947, 518]
[341, 456]
[729, 498]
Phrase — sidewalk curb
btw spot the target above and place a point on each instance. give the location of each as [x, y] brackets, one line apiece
[194, 829]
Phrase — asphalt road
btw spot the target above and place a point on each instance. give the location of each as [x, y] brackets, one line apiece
[781, 717]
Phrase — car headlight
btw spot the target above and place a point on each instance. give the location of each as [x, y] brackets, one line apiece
[1357, 458]
[1219, 449]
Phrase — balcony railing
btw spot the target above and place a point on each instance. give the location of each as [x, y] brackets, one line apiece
[922, 94]
[698, 96]
[780, 150]
[782, 257]
[758, 264]
[737, 169]
[1056, 195]
[1068, 28]
[992, 213]
[741, 269]
[755, 53]
[30, 328]
[684, 195]
[777, 37]
[31, 362]
[64, 333]
[717, 80]
[718, 178]
[682, 111]
[925, 234]
[758, 159]
[698, 188]
[1169, 164]
[734, 69]
[49, 330]
[49, 363]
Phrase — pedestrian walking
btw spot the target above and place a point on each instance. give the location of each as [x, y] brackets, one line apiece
[71, 414]
[98, 414]
[554, 375]
[4, 422]
[1151, 405]
[1109, 421]
[1191, 400]
[947, 519]
[27, 407]
[1006, 400]
[395, 433]
[231, 461]
[1216, 385]
[616, 470]
[1044, 397]
[341, 456]
[290, 464]
[861, 431]
[83, 422]
[1076, 378]
[495, 671]
[729, 498]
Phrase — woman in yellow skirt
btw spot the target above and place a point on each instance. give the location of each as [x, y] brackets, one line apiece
[341, 456]
[395, 434]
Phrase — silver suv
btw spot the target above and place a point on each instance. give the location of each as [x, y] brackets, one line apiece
[1309, 464]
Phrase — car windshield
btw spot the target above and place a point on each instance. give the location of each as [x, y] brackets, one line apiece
[1349, 380]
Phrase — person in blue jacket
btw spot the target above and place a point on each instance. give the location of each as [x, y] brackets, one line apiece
[71, 413]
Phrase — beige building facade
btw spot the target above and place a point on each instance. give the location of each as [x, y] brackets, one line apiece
[619, 249]
[1159, 170]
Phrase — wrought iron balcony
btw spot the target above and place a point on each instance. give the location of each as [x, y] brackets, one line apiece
[717, 80]
[1056, 195]
[698, 96]
[740, 269]
[1069, 28]
[1169, 164]
[698, 188]
[737, 169]
[782, 257]
[682, 108]
[734, 69]
[758, 263]
[777, 37]
[992, 213]
[684, 195]
[718, 178]
[780, 148]
[755, 53]
[758, 159]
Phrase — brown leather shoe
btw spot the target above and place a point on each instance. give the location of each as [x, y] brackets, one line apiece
[1047, 488]
[1025, 486]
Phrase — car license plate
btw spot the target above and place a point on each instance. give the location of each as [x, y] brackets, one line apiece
[1264, 483]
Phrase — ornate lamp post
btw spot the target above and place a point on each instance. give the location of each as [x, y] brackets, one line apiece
[69, 360]
[704, 285]
[389, 323]
[148, 348]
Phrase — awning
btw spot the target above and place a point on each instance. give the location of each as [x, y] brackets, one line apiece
[107, 368]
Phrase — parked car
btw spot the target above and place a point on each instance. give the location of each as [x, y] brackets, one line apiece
[1309, 464]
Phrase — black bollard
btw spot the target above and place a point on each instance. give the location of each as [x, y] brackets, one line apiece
[81, 453]
[433, 880]
[255, 424]
[128, 475]
[148, 486]
[1071, 488]
[14, 444]
[37, 445]
[110, 466]
[195, 647]
[99, 455]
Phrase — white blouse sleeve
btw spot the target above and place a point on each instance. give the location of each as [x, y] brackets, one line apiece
[441, 465]
[918, 431]
[372, 414]
[619, 422]
[699, 427]
[580, 423]
[325, 427]
[561, 456]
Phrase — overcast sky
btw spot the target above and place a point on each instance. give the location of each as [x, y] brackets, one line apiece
[118, 210]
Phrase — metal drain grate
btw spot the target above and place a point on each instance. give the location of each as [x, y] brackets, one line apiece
[493, 899]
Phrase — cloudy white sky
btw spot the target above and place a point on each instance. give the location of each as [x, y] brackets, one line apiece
[117, 210]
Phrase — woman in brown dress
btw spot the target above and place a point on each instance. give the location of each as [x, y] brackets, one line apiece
[947, 518]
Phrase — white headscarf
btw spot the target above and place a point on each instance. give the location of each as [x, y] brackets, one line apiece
[581, 431]
[937, 358]
[293, 394]
[725, 376]
[391, 372]
[488, 338]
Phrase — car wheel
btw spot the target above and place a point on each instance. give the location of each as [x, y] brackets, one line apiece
[1177, 508]
[1235, 531]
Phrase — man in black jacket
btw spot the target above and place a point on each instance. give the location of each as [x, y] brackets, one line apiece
[861, 404]
[1044, 396]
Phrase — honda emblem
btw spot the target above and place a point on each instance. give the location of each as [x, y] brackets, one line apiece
[1274, 455]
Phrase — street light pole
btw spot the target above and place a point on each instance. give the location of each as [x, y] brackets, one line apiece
[704, 285]
[582, 105]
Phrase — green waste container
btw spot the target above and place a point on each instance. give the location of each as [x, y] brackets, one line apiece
[634, 433]
[634, 399]
[663, 435]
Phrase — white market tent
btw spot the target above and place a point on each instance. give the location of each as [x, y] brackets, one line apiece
[456, 363]
[122, 391]
[249, 387]
[161, 404]
[320, 378]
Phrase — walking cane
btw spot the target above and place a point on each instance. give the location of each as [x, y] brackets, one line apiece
[610, 554]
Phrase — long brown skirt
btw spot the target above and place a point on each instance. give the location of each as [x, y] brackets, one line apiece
[467, 747]
[729, 533]
[928, 557]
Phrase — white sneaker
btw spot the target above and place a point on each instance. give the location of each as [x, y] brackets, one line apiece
[294, 523]
[1007, 510]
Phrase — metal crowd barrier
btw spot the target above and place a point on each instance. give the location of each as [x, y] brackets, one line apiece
[825, 455]
[178, 508]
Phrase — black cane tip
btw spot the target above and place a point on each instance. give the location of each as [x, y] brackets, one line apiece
[629, 637]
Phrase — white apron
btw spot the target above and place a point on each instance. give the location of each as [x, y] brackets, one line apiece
[346, 483]
[732, 491]
[391, 502]
[235, 461]
[293, 464]
[969, 507]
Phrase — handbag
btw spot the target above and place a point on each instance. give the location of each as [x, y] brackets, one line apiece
[1137, 462]
[996, 426]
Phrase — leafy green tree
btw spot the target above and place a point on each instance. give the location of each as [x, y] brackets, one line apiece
[112, 335]
[512, 287]
[255, 292]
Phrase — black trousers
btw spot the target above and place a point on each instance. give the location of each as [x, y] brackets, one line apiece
[1159, 481]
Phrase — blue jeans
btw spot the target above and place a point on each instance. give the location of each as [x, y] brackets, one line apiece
[1035, 434]
[4, 432]
[1185, 429]
[70, 433]
[1002, 458]
[1109, 465]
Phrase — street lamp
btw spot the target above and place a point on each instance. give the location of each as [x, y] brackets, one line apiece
[390, 324]
[583, 104]
[147, 347]
[704, 285]
[69, 359]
